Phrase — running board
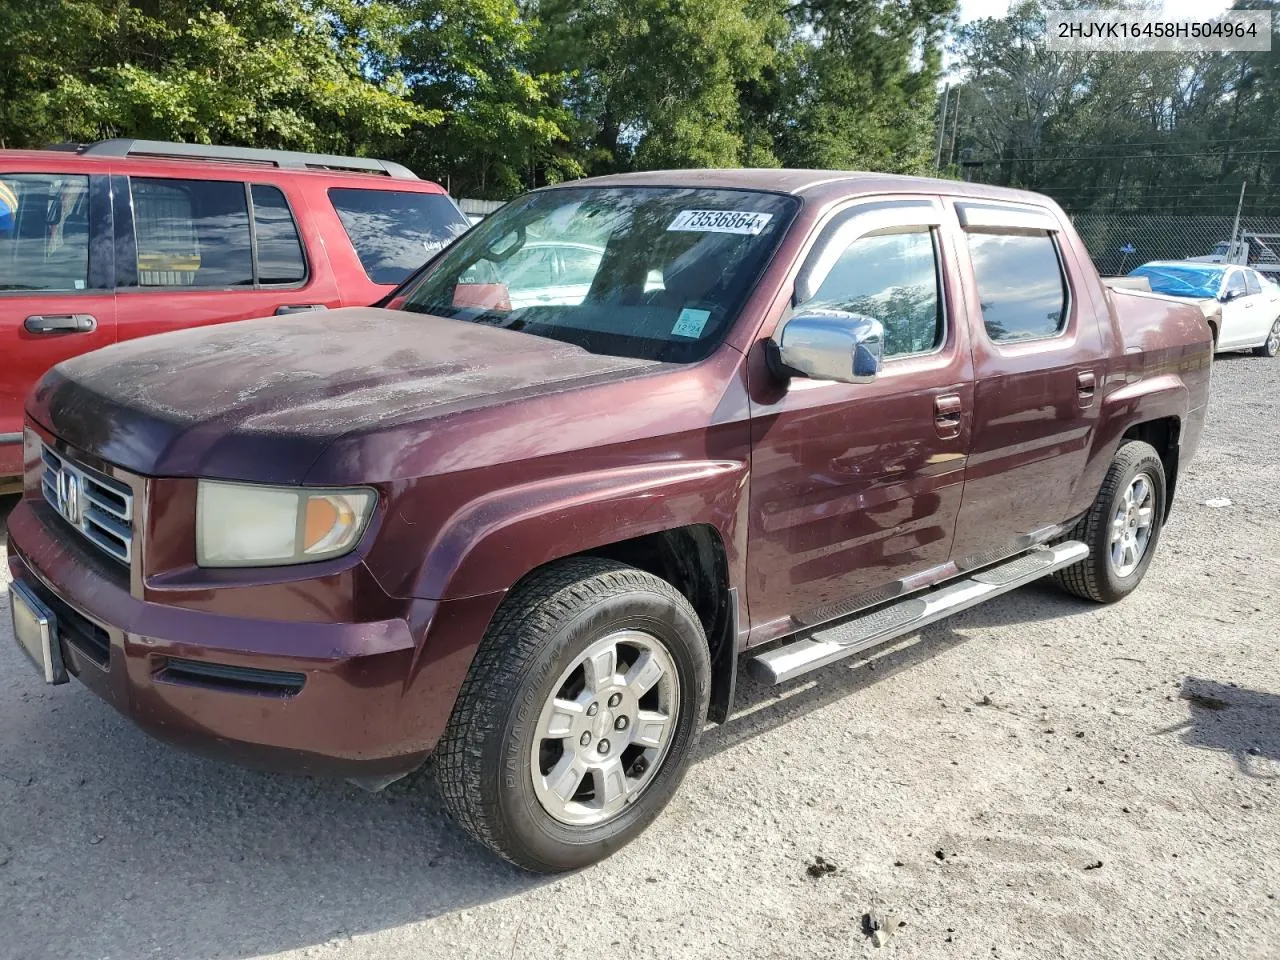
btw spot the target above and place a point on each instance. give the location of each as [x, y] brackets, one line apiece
[888, 623]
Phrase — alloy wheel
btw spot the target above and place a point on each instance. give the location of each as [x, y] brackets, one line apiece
[604, 731]
[1131, 525]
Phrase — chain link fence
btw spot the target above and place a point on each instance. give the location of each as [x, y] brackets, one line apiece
[1119, 242]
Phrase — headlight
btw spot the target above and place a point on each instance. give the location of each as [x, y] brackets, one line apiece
[246, 525]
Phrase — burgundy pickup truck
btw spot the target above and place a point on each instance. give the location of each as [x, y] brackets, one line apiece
[624, 437]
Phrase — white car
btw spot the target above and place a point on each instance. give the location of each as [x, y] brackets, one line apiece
[1246, 312]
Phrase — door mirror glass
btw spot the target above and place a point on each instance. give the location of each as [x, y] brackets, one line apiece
[832, 345]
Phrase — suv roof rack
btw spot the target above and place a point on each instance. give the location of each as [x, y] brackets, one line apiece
[284, 159]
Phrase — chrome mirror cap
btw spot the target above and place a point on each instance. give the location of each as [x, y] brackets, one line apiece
[832, 345]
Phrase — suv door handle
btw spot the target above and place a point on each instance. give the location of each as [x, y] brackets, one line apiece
[61, 323]
[1086, 383]
[947, 411]
[288, 308]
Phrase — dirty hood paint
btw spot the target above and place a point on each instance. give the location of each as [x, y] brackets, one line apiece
[262, 399]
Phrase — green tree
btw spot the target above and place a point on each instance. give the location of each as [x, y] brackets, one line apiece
[861, 90]
[273, 73]
[469, 62]
[656, 83]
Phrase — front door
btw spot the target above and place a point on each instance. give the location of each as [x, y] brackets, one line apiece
[1039, 371]
[56, 297]
[856, 486]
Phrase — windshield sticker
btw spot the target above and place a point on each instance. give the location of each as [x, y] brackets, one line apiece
[690, 323]
[721, 221]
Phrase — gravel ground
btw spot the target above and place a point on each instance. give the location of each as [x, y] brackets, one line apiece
[969, 781]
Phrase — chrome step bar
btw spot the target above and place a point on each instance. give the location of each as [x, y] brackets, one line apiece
[828, 645]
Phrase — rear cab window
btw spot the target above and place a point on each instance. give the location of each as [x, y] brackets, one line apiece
[1021, 284]
[44, 232]
[395, 231]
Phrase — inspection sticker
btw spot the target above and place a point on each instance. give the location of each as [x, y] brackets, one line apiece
[721, 221]
[690, 323]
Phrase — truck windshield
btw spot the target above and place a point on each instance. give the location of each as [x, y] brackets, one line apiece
[1179, 280]
[649, 272]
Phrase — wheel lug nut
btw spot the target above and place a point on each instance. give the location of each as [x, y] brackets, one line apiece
[603, 746]
[593, 710]
[585, 739]
[620, 723]
[615, 699]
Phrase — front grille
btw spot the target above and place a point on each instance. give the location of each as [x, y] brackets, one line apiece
[99, 507]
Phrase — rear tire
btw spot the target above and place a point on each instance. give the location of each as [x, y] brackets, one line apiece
[1121, 529]
[1271, 347]
[578, 716]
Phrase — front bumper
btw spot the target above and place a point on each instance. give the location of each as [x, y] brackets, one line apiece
[351, 699]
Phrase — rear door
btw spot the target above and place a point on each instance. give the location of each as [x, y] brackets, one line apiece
[199, 250]
[1038, 369]
[56, 278]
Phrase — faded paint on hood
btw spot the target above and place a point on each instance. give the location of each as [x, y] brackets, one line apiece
[262, 399]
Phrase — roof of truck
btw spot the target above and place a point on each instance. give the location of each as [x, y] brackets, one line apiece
[806, 182]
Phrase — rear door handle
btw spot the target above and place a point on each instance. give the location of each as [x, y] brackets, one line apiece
[947, 411]
[61, 323]
[1086, 384]
[287, 308]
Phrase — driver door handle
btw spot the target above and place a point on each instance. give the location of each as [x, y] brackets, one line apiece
[61, 323]
[1086, 384]
[947, 412]
[285, 309]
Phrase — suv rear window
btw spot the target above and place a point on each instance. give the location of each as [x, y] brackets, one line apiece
[44, 232]
[394, 231]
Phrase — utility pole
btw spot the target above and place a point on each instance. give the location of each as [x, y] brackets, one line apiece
[1235, 228]
[955, 127]
[942, 128]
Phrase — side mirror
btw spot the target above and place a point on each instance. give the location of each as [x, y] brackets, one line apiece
[1227, 296]
[832, 345]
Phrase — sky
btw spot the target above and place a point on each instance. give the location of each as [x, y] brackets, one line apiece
[976, 9]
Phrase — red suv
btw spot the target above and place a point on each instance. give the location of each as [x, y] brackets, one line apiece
[126, 238]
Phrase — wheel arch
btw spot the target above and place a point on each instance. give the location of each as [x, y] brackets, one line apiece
[1164, 434]
[694, 559]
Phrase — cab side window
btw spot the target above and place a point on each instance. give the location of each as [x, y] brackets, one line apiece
[1252, 285]
[892, 277]
[44, 232]
[1020, 284]
[1236, 286]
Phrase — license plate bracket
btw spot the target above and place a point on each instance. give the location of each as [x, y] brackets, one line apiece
[36, 629]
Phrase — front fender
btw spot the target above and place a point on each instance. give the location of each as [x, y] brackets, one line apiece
[495, 539]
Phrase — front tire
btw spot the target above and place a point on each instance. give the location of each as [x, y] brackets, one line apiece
[1121, 529]
[578, 716]
[1271, 346]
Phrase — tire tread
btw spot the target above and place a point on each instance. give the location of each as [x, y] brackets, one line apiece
[527, 616]
[1082, 579]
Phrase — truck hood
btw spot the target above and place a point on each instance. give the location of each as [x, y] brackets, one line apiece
[261, 400]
